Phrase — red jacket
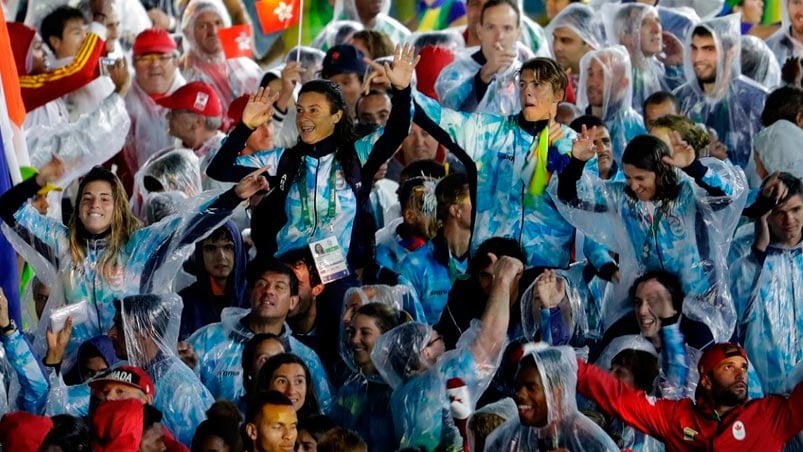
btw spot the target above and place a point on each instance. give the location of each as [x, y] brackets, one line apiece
[764, 424]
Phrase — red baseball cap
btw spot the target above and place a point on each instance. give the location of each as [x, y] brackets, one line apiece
[128, 375]
[433, 60]
[235, 111]
[197, 97]
[716, 353]
[153, 40]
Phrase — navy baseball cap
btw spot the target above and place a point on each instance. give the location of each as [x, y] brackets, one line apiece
[343, 59]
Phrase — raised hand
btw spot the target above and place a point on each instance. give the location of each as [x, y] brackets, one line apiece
[550, 288]
[672, 52]
[498, 61]
[57, 342]
[120, 76]
[53, 171]
[682, 153]
[252, 184]
[259, 108]
[507, 268]
[404, 63]
[774, 188]
[187, 354]
[375, 78]
[583, 147]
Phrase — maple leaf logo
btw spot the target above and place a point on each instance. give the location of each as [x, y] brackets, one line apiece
[284, 12]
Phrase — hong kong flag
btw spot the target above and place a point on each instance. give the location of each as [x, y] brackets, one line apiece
[276, 15]
[236, 41]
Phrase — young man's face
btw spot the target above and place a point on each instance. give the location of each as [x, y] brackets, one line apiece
[596, 83]
[568, 48]
[655, 111]
[498, 28]
[704, 58]
[374, 109]
[71, 39]
[274, 429]
[218, 254]
[786, 221]
[531, 398]
[795, 9]
[728, 381]
[602, 140]
[538, 100]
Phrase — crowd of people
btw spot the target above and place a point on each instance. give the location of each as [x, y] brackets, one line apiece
[475, 234]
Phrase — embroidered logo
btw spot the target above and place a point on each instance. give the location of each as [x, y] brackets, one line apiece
[689, 434]
[738, 430]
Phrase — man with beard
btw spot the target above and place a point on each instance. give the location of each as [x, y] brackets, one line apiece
[721, 418]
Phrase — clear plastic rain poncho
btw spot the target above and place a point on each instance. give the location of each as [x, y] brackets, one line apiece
[148, 134]
[505, 409]
[768, 297]
[704, 8]
[690, 239]
[532, 34]
[347, 10]
[778, 147]
[734, 104]
[148, 262]
[782, 43]
[309, 58]
[582, 20]
[336, 33]
[400, 297]
[537, 320]
[171, 169]
[759, 63]
[231, 78]
[615, 82]
[420, 405]
[456, 87]
[566, 427]
[151, 326]
[623, 25]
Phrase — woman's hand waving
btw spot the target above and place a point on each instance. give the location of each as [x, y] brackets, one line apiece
[404, 62]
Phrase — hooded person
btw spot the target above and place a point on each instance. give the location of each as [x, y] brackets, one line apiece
[759, 63]
[156, 75]
[638, 28]
[373, 15]
[94, 356]
[144, 333]
[411, 359]
[605, 90]
[787, 42]
[204, 59]
[24, 432]
[572, 33]
[715, 93]
[486, 80]
[118, 426]
[765, 283]
[548, 417]
[170, 170]
[218, 258]
[777, 147]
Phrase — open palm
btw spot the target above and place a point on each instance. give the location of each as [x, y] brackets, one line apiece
[404, 62]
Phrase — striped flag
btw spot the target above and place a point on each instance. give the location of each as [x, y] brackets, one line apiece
[13, 153]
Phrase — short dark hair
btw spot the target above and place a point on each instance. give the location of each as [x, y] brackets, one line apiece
[643, 365]
[70, 433]
[264, 378]
[427, 167]
[221, 233]
[261, 265]
[386, 317]
[794, 186]
[510, 3]
[302, 254]
[647, 152]
[589, 121]
[499, 246]
[150, 309]
[671, 283]
[317, 425]
[261, 399]
[151, 416]
[660, 97]
[448, 192]
[372, 92]
[341, 440]
[702, 32]
[785, 102]
[688, 130]
[548, 70]
[53, 24]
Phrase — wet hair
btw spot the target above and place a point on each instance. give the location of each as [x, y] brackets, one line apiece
[377, 43]
[149, 311]
[265, 378]
[546, 70]
[385, 317]
[643, 365]
[449, 191]
[261, 265]
[341, 440]
[222, 421]
[261, 399]
[302, 254]
[407, 189]
[372, 92]
[785, 102]
[221, 233]
[702, 31]
[122, 226]
[499, 246]
[69, 433]
[688, 130]
[250, 350]
[53, 24]
[493, 3]
[660, 97]
[670, 281]
[589, 121]
[646, 152]
[794, 185]
[267, 78]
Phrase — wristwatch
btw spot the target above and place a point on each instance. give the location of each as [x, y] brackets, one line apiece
[12, 325]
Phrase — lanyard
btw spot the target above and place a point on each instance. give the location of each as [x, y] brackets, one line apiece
[653, 233]
[312, 222]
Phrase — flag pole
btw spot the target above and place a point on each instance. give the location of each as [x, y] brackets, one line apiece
[300, 29]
